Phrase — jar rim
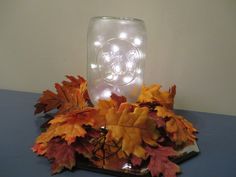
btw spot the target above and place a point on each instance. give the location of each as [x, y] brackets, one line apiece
[117, 18]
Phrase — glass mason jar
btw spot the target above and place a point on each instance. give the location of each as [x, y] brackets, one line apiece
[116, 54]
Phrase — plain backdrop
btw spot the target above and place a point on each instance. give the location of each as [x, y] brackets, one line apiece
[191, 43]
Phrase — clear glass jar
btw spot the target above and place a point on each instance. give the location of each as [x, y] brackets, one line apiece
[116, 54]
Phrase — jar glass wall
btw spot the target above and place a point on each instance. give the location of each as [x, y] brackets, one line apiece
[116, 54]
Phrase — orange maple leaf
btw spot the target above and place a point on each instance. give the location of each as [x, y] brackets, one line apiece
[70, 95]
[69, 126]
[153, 94]
[180, 130]
[114, 102]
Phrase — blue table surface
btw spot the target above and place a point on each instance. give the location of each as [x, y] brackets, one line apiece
[19, 128]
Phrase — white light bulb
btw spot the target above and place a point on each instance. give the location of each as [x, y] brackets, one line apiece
[97, 43]
[127, 79]
[106, 93]
[137, 41]
[107, 58]
[115, 48]
[93, 66]
[138, 71]
[117, 69]
[115, 77]
[109, 77]
[129, 64]
[123, 35]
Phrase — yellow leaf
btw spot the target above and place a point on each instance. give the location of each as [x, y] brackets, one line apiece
[131, 128]
[153, 93]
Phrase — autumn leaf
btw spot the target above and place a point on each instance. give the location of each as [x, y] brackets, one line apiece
[70, 95]
[69, 126]
[136, 161]
[160, 163]
[114, 102]
[131, 128]
[154, 95]
[85, 148]
[114, 133]
[178, 128]
[61, 154]
[118, 99]
[40, 148]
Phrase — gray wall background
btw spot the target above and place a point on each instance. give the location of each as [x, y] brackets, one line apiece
[192, 43]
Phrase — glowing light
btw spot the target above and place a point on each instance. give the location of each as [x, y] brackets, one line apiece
[137, 41]
[127, 79]
[138, 71]
[129, 64]
[97, 43]
[93, 66]
[107, 58]
[115, 48]
[117, 69]
[127, 166]
[106, 93]
[115, 77]
[123, 35]
[109, 77]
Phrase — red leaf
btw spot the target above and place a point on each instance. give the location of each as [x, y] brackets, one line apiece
[160, 122]
[160, 163]
[118, 99]
[136, 161]
[61, 154]
[84, 148]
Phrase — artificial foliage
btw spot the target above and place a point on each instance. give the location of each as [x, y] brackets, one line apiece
[113, 131]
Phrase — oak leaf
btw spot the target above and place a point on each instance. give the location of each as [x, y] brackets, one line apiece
[70, 95]
[160, 163]
[131, 128]
[180, 130]
[154, 95]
